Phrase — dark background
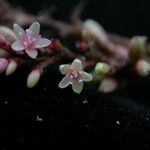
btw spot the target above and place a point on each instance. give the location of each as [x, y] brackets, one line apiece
[71, 121]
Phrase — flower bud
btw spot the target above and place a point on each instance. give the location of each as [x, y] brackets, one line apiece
[102, 69]
[137, 47]
[4, 44]
[2, 40]
[143, 68]
[81, 45]
[3, 64]
[12, 66]
[108, 85]
[55, 44]
[93, 29]
[3, 53]
[7, 33]
[33, 78]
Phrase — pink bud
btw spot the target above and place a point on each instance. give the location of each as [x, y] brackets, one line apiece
[4, 44]
[55, 45]
[33, 78]
[82, 45]
[3, 64]
[2, 40]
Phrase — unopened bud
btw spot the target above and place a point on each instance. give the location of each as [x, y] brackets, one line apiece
[55, 45]
[108, 85]
[94, 29]
[143, 68]
[3, 64]
[2, 40]
[137, 47]
[3, 53]
[33, 78]
[4, 44]
[8, 33]
[102, 69]
[82, 46]
[12, 66]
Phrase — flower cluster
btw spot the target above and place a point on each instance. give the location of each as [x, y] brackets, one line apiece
[104, 54]
[24, 42]
[30, 42]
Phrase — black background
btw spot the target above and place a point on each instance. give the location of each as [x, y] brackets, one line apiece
[88, 120]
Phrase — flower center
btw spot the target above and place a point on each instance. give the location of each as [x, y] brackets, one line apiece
[75, 75]
[29, 41]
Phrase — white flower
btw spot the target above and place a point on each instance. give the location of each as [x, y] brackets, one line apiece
[29, 40]
[74, 76]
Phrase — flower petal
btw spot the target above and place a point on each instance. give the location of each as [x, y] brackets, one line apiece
[64, 69]
[17, 46]
[35, 28]
[19, 31]
[65, 82]
[87, 76]
[76, 65]
[77, 87]
[42, 42]
[32, 53]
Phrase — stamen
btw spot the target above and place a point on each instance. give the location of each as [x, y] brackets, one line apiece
[75, 75]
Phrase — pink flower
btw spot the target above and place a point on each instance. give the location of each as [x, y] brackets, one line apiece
[29, 40]
[74, 76]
